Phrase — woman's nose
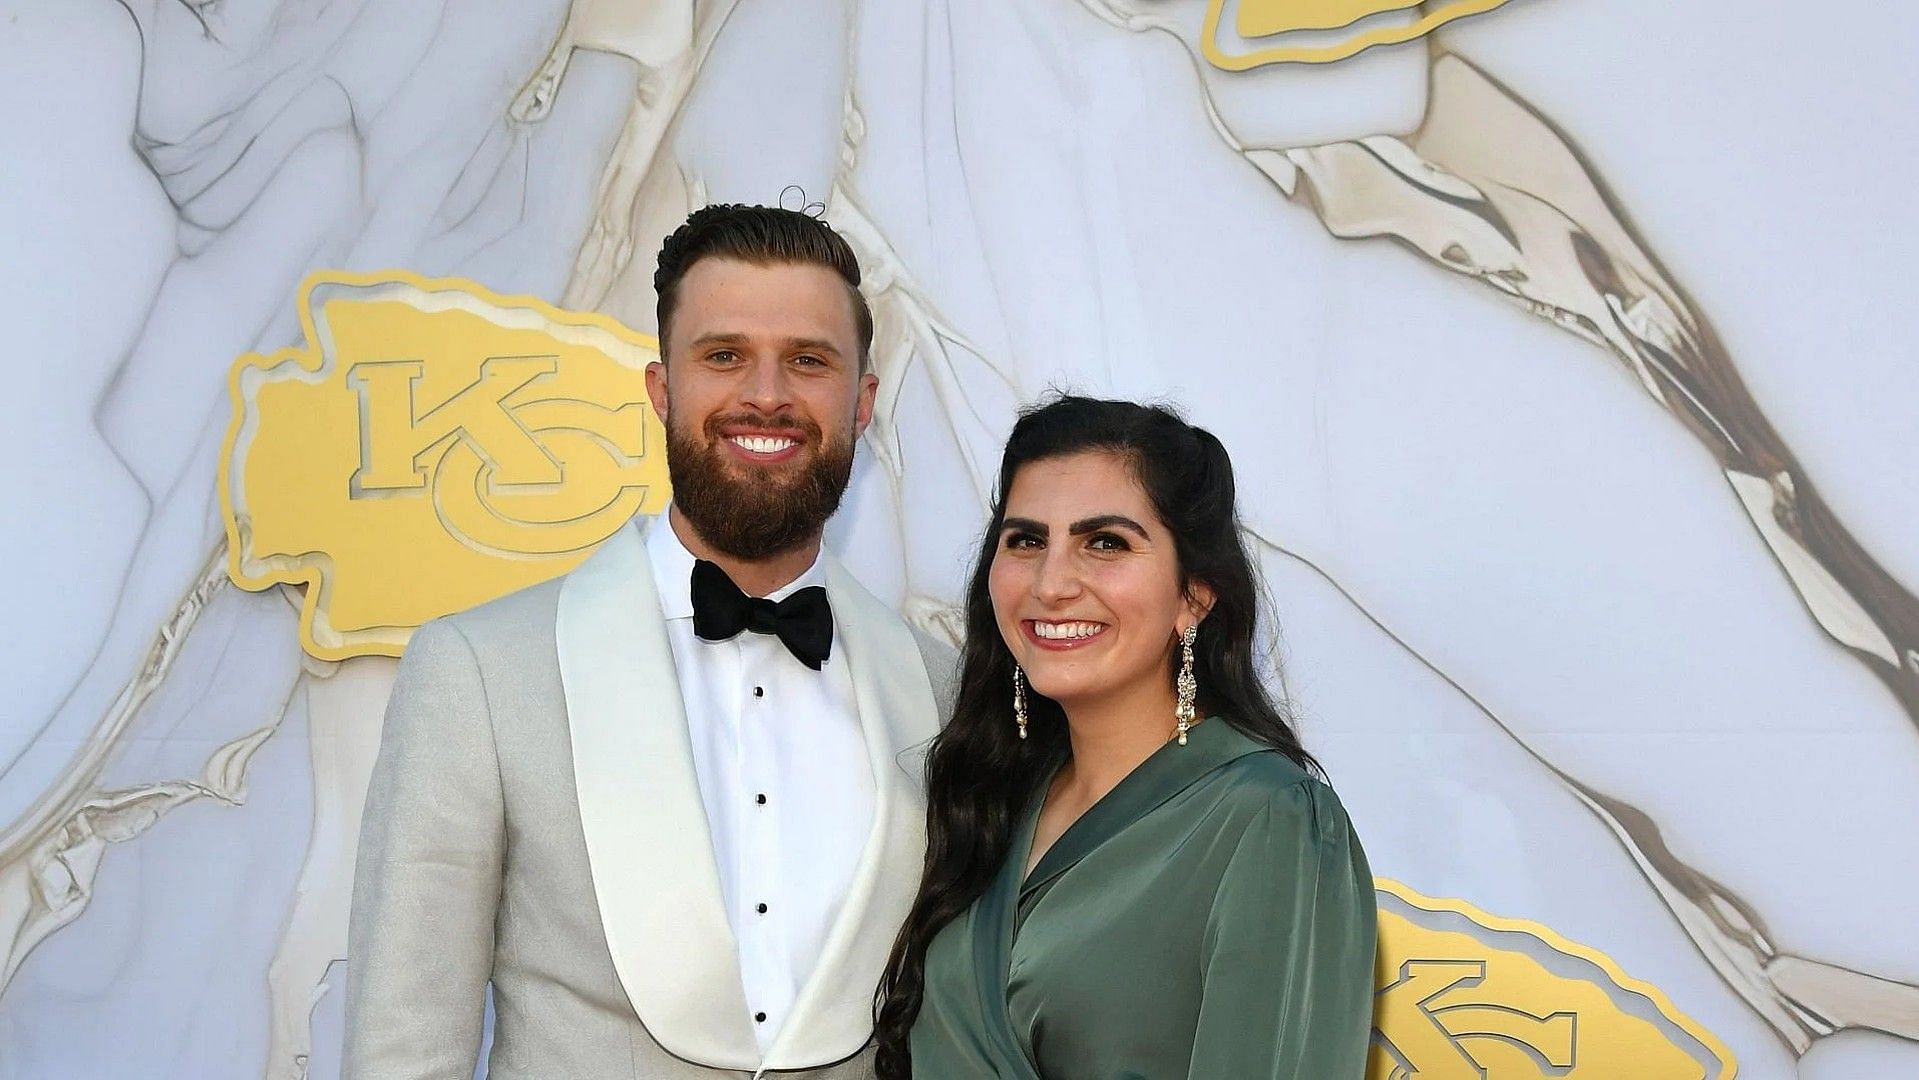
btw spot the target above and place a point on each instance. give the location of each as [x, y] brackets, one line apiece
[1057, 577]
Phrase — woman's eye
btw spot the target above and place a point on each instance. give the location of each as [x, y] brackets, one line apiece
[1022, 542]
[1108, 542]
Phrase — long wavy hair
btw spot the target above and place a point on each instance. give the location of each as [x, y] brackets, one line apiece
[981, 776]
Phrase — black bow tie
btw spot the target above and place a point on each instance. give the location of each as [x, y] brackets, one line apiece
[803, 621]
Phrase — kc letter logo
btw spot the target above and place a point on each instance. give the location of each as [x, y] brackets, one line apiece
[433, 446]
[1463, 995]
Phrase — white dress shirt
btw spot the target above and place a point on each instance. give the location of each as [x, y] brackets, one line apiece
[783, 771]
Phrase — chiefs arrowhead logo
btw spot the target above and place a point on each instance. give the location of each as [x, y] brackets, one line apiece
[432, 446]
[1463, 995]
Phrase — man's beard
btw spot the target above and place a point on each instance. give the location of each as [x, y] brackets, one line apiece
[756, 517]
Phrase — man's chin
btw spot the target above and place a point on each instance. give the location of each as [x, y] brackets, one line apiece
[762, 485]
[752, 509]
[758, 477]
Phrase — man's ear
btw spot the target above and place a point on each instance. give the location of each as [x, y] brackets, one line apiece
[863, 406]
[656, 388]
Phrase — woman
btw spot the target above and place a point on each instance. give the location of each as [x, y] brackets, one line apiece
[1131, 869]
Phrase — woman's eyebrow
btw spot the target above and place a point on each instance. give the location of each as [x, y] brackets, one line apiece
[1023, 525]
[1103, 521]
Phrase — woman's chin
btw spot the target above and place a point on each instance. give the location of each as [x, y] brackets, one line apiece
[1062, 692]
[1068, 690]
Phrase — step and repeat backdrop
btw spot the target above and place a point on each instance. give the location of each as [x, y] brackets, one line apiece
[1565, 349]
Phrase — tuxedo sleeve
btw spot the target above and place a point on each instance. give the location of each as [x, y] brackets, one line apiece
[427, 884]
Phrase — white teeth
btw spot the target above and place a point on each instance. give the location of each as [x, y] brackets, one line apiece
[763, 444]
[1066, 631]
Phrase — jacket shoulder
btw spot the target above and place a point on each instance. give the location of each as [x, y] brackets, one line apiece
[522, 616]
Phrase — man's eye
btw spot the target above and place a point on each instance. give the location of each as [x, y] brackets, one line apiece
[809, 360]
[723, 356]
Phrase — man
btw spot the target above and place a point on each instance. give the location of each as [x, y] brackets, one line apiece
[659, 803]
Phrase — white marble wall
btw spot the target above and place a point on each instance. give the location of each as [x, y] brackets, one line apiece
[1491, 550]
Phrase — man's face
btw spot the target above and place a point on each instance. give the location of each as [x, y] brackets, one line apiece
[762, 399]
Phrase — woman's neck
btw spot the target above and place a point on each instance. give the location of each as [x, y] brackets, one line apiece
[1112, 736]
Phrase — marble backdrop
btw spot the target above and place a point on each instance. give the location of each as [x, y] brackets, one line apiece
[1530, 340]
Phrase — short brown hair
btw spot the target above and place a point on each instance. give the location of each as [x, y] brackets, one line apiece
[760, 235]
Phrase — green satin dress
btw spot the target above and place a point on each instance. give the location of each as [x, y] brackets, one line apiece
[1211, 918]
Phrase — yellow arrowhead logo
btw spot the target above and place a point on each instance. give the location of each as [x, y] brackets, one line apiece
[432, 446]
[1312, 21]
[1463, 995]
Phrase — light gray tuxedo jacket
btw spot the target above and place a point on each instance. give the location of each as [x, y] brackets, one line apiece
[534, 820]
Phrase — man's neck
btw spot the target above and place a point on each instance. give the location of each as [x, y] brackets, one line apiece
[755, 577]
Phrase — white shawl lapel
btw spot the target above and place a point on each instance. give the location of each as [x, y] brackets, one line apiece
[832, 1019]
[646, 830]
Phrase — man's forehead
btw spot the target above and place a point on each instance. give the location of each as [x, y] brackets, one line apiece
[731, 296]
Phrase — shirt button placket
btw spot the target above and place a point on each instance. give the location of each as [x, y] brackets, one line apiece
[759, 876]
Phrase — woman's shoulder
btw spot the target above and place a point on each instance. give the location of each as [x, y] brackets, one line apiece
[1266, 788]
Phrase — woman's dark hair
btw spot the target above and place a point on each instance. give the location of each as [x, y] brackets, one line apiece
[980, 774]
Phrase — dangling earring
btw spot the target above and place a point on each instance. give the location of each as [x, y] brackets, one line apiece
[1187, 714]
[1019, 699]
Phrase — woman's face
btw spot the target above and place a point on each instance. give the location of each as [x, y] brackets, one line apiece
[1085, 581]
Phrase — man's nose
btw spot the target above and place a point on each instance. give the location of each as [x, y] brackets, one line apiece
[766, 386]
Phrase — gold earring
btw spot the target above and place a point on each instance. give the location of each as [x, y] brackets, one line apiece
[1019, 699]
[1187, 713]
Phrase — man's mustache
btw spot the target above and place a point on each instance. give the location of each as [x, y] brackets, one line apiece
[807, 428]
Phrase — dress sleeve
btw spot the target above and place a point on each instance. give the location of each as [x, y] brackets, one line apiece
[1288, 978]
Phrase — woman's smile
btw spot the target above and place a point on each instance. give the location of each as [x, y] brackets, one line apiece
[1062, 636]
